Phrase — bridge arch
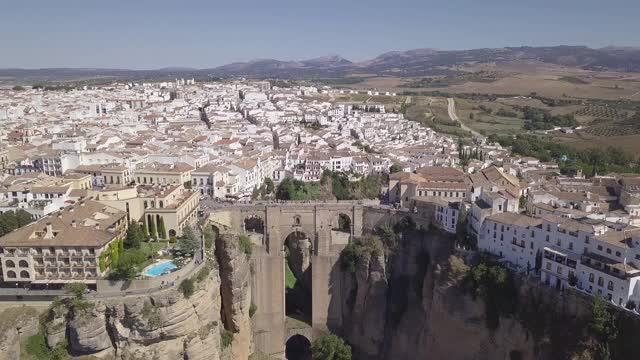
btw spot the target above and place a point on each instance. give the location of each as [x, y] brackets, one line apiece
[343, 223]
[298, 347]
[254, 223]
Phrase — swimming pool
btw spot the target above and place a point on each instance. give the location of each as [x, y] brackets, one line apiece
[159, 268]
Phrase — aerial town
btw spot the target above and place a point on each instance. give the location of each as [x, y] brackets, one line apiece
[85, 163]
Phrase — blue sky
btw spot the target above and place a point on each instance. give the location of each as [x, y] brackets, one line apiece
[141, 34]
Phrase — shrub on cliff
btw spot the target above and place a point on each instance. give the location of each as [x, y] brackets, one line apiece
[330, 347]
[187, 287]
[358, 250]
[494, 284]
[246, 245]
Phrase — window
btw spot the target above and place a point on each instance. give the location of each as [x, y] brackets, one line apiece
[24, 274]
[570, 246]
[549, 266]
[548, 227]
[600, 281]
[23, 264]
[547, 238]
[9, 264]
[591, 278]
[559, 269]
[600, 247]
[532, 233]
[610, 285]
[618, 253]
[608, 251]
[11, 274]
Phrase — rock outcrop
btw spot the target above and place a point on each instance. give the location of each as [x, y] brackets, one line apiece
[235, 288]
[167, 325]
[16, 324]
[88, 332]
[300, 258]
[366, 325]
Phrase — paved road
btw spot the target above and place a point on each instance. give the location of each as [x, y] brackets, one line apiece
[451, 108]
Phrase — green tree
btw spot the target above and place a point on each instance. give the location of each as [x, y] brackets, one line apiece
[145, 230]
[269, 185]
[603, 326]
[126, 267]
[18, 88]
[189, 241]
[330, 347]
[245, 244]
[77, 289]
[134, 237]
[23, 218]
[162, 232]
[522, 202]
[209, 237]
[462, 235]
[153, 231]
[187, 287]
[395, 168]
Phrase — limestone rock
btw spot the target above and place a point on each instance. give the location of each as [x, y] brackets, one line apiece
[16, 325]
[88, 332]
[235, 280]
[368, 319]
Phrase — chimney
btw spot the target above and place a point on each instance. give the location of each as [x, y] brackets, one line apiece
[49, 234]
[97, 226]
[82, 204]
[73, 224]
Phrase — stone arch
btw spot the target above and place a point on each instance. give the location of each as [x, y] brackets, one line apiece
[11, 274]
[298, 347]
[216, 230]
[10, 264]
[254, 223]
[298, 249]
[343, 223]
[24, 274]
[23, 264]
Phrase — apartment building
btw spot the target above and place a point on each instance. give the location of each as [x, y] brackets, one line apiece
[176, 205]
[64, 247]
[103, 175]
[164, 174]
[594, 256]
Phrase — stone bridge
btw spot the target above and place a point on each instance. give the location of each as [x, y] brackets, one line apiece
[269, 226]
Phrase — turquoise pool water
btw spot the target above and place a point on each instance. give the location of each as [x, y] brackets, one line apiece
[160, 268]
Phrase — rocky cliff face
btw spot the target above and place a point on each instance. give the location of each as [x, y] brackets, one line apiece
[16, 324]
[163, 325]
[425, 311]
[235, 287]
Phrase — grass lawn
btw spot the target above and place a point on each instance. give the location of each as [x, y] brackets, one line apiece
[290, 279]
[296, 322]
[151, 248]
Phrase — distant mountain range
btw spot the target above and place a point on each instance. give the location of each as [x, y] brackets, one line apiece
[419, 62]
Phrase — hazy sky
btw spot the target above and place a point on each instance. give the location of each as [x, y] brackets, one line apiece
[140, 34]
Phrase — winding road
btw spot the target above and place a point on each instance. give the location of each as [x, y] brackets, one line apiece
[451, 108]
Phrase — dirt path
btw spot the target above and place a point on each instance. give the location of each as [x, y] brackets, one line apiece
[451, 108]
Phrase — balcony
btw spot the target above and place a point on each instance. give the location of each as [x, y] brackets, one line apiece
[518, 244]
[605, 265]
